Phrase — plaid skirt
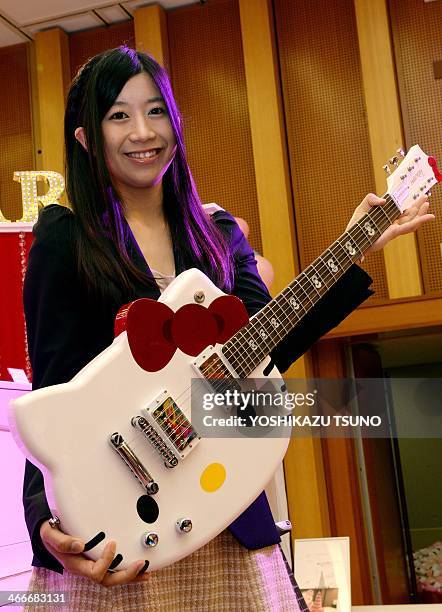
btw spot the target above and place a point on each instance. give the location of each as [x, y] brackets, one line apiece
[222, 576]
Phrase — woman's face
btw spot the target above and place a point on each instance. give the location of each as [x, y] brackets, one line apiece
[139, 142]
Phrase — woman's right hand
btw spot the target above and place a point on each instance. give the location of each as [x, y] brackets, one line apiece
[68, 549]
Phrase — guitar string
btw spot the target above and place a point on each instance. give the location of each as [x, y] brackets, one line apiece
[357, 227]
[289, 314]
[300, 286]
[380, 212]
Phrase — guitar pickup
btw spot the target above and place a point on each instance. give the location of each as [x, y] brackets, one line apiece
[172, 425]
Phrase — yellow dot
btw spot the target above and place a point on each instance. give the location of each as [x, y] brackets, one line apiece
[213, 477]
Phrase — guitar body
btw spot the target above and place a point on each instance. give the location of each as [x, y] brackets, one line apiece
[65, 430]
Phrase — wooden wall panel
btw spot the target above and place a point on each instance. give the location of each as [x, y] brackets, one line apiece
[384, 120]
[208, 77]
[327, 130]
[380, 473]
[53, 77]
[16, 151]
[83, 45]
[342, 481]
[417, 40]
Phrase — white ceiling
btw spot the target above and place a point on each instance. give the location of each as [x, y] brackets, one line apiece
[20, 20]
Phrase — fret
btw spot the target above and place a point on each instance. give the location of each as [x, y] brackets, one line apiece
[277, 315]
[274, 323]
[328, 266]
[262, 344]
[250, 352]
[331, 263]
[236, 339]
[384, 210]
[247, 351]
[325, 269]
[360, 236]
[349, 247]
[240, 366]
[267, 325]
[393, 209]
[314, 281]
[342, 254]
[298, 281]
[382, 219]
[299, 294]
[291, 315]
[261, 332]
[377, 215]
[367, 227]
[373, 221]
[274, 334]
[319, 273]
[248, 347]
[238, 351]
[284, 317]
[295, 303]
[292, 305]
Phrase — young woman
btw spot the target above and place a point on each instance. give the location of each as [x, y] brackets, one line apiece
[136, 222]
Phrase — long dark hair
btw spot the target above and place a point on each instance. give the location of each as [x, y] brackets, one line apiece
[104, 234]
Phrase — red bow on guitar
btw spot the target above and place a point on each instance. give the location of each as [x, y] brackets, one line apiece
[155, 331]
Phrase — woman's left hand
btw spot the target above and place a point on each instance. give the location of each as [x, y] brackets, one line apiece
[409, 221]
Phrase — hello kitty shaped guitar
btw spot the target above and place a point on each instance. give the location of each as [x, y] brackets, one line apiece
[128, 411]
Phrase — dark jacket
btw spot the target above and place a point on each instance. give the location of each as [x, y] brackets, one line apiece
[66, 328]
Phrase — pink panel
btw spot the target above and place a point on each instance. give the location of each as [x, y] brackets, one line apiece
[15, 548]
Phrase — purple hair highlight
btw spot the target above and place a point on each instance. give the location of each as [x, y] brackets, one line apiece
[200, 230]
[132, 54]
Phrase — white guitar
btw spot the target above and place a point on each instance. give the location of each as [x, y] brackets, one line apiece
[128, 412]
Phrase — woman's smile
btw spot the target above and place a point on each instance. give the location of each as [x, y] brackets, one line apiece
[146, 157]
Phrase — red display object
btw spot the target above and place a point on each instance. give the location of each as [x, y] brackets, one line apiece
[429, 595]
[15, 241]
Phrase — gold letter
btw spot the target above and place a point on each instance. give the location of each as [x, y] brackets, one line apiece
[31, 200]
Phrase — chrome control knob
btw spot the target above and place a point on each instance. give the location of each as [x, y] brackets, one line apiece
[184, 525]
[152, 488]
[150, 539]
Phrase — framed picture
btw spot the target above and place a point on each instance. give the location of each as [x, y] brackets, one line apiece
[322, 570]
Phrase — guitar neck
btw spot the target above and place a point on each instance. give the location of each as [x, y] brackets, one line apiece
[248, 347]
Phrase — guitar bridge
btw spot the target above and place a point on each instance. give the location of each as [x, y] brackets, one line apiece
[133, 463]
[154, 438]
[174, 430]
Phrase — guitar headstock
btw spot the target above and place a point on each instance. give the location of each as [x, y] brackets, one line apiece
[414, 176]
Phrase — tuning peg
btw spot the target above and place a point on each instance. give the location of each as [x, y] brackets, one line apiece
[401, 153]
[394, 161]
[386, 168]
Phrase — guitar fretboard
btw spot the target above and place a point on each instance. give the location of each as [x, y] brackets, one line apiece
[248, 347]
